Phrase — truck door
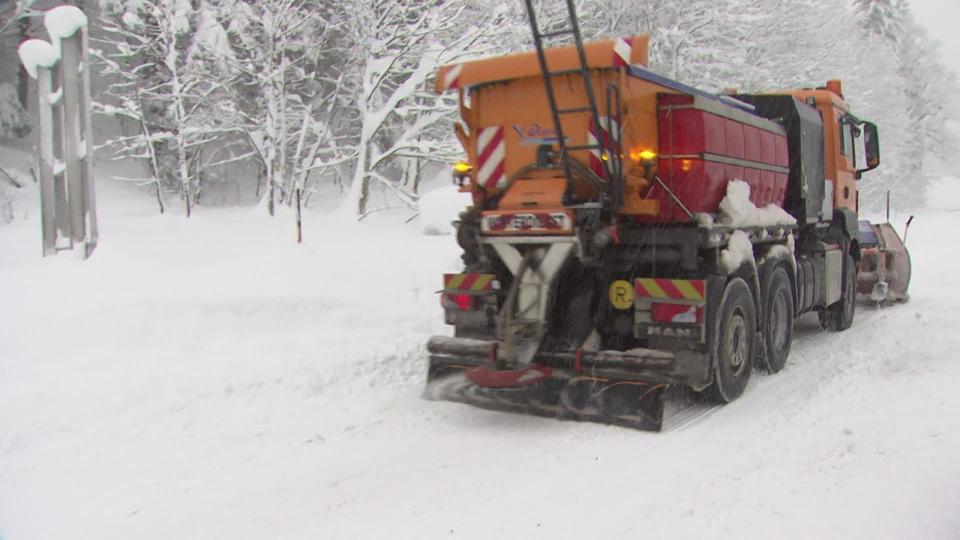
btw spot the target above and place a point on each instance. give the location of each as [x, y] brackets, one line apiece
[845, 187]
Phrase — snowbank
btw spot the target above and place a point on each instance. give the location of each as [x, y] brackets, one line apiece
[736, 210]
[210, 378]
[440, 208]
[943, 194]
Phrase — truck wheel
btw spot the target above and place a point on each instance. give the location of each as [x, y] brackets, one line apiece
[732, 347]
[575, 319]
[778, 310]
[468, 229]
[571, 319]
[839, 316]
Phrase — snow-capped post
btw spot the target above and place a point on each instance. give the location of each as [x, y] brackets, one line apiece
[66, 144]
[39, 58]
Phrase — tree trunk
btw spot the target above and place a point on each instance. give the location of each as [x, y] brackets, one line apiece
[151, 149]
[299, 217]
[159, 195]
[355, 203]
[418, 175]
[364, 195]
[281, 139]
[23, 84]
[271, 198]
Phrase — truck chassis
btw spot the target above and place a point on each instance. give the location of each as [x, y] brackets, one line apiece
[599, 358]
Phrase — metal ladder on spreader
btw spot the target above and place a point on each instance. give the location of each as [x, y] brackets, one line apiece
[612, 164]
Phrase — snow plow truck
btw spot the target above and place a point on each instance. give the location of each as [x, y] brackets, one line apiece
[629, 232]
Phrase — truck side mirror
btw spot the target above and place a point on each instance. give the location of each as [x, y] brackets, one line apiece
[871, 146]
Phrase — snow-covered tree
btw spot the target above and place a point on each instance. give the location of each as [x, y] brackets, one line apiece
[702, 43]
[760, 45]
[14, 121]
[288, 84]
[12, 13]
[398, 46]
[925, 85]
[15, 25]
[883, 17]
[312, 92]
[156, 55]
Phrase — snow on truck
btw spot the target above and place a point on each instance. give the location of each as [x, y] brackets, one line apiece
[629, 232]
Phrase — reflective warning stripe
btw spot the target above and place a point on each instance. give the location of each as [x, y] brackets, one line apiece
[649, 288]
[468, 282]
[688, 290]
[680, 289]
[622, 51]
[606, 135]
[451, 79]
[492, 158]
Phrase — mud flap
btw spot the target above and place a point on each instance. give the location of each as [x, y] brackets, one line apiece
[554, 393]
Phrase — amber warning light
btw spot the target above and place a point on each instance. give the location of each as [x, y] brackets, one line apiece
[643, 156]
[646, 159]
[461, 170]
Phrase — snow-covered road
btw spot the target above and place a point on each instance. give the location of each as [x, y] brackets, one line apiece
[209, 378]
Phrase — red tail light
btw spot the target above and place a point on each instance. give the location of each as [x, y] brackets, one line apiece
[463, 302]
[676, 313]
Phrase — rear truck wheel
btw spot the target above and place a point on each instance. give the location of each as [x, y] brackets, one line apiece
[732, 346]
[468, 229]
[572, 313]
[778, 311]
[839, 316]
[574, 320]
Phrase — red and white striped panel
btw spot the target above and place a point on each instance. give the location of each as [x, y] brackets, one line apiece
[622, 51]
[492, 158]
[451, 77]
[608, 135]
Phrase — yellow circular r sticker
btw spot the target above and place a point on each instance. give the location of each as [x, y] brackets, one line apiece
[621, 294]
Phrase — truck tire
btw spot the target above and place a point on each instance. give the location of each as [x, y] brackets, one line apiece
[573, 320]
[839, 316]
[572, 312]
[733, 343]
[468, 228]
[778, 312]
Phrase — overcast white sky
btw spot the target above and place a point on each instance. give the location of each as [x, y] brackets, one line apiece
[942, 19]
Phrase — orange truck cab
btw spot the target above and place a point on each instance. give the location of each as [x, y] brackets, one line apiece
[841, 133]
